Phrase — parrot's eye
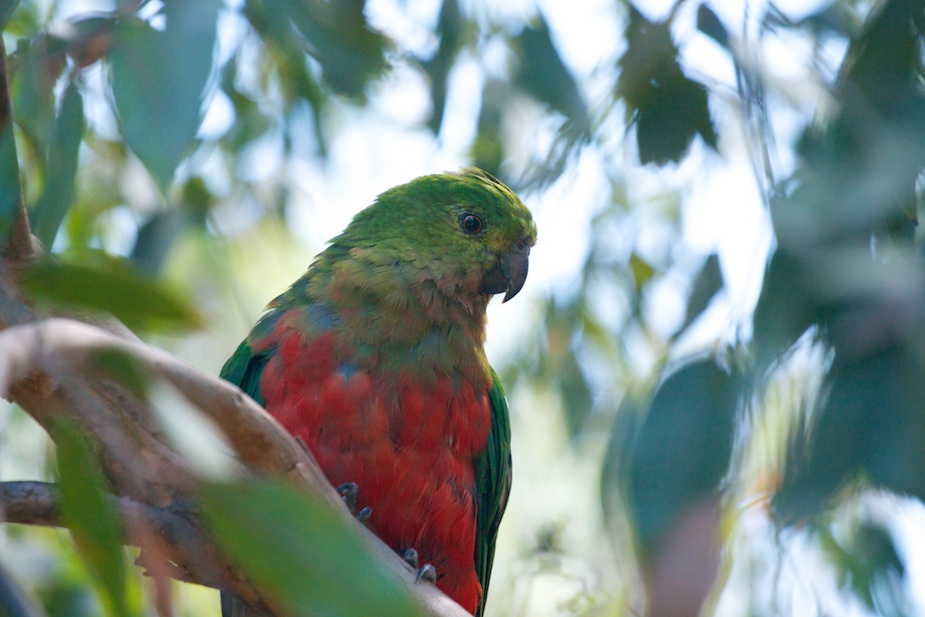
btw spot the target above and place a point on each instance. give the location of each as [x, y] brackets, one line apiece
[471, 223]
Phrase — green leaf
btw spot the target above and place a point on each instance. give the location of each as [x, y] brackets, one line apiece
[90, 517]
[61, 168]
[669, 109]
[109, 285]
[296, 549]
[544, 76]
[707, 284]
[643, 272]
[450, 29]
[709, 24]
[6, 11]
[350, 51]
[158, 78]
[672, 454]
[10, 190]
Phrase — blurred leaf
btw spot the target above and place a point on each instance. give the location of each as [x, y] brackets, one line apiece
[35, 70]
[158, 79]
[643, 272]
[882, 65]
[13, 600]
[6, 11]
[865, 563]
[671, 455]
[351, 53]
[707, 284]
[90, 517]
[124, 369]
[295, 548]
[450, 28]
[709, 24]
[545, 77]
[155, 238]
[89, 37]
[10, 190]
[61, 169]
[669, 109]
[488, 147]
[109, 285]
[871, 425]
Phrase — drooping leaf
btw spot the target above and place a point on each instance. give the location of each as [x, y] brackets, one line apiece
[671, 454]
[871, 424]
[158, 80]
[109, 285]
[350, 51]
[38, 65]
[90, 517]
[450, 28]
[295, 548]
[61, 169]
[709, 24]
[669, 109]
[544, 76]
[488, 147]
[707, 284]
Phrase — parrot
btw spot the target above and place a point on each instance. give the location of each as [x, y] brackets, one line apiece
[375, 359]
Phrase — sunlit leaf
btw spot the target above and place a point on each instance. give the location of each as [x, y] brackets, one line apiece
[89, 515]
[866, 561]
[158, 79]
[295, 548]
[61, 168]
[109, 285]
[642, 271]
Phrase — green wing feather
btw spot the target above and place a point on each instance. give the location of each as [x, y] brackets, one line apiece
[493, 479]
[244, 368]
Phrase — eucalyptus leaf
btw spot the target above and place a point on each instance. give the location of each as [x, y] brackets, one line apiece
[299, 552]
[61, 170]
[112, 286]
[159, 79]
[90, 517]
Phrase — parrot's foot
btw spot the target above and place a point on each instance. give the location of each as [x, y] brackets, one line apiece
[427, 572]
[348, 492]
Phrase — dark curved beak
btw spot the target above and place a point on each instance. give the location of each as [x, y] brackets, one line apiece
[508, 274]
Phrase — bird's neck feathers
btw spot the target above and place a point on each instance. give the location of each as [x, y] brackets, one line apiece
[385, 308]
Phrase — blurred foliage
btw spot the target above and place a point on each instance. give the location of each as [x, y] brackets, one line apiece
[246, 520]
[162, 220]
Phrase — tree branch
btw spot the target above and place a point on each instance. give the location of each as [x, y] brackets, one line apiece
[53, 367]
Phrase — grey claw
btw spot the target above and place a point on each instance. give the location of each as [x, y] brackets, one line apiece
[428, 573]
[411, 557]
[348, 491]
[364, 514]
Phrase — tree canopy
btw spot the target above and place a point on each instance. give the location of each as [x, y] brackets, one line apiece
[682, 439]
